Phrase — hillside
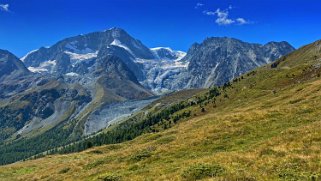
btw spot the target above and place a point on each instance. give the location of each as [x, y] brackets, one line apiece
[265, 125]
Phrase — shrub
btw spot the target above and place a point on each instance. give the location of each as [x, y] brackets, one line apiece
[97, 163]
[109, 177]
[141, 155]
[201, 171]
[95, 152]
[166, 140]
[214, 92]
[64, 170]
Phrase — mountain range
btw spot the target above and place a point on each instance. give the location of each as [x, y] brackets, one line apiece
[60, 94]
[262, 125]
[213, 62]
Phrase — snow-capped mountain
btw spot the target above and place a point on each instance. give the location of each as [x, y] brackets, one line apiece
[77, 54]
[161, 69]
[75, 77]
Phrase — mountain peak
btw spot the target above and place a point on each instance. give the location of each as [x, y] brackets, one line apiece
[281, 43]
[2, 52]
[11, 66]
[117, 33]
[84, 49]
[115, 29]
[221, 39]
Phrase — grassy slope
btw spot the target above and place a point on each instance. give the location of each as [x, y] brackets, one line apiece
[266, 126]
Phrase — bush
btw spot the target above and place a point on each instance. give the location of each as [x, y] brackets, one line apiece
[166, 140]
[95, 152]
[141, 155]
[64, 170]
[214, 92]
[201, 171]
[97, 163]
[109, 177]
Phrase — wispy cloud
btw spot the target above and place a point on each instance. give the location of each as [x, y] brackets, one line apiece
[199, 5]
[242, 21]
[4, 7]
[223, 17]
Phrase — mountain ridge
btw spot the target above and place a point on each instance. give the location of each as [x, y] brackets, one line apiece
[157, 67]
[228, 56]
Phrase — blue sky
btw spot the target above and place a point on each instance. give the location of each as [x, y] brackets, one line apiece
[29, 24]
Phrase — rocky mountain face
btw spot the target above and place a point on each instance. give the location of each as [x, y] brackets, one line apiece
[213, 62]
[114, 76]
[41, 108]
[219, 60]
[10, 66]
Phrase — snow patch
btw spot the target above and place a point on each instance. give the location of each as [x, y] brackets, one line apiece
[160, 48]
[24, 57]
[117, 43]
[81, 57]
[178, 54]
[47, 66]
[72, 46]
[37, 69]
[72, 74]
[48, 63]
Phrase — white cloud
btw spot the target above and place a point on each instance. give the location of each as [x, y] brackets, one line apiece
[199, 5]
[242, 21]
[4, 7]
[209, 13]
[223, 17]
